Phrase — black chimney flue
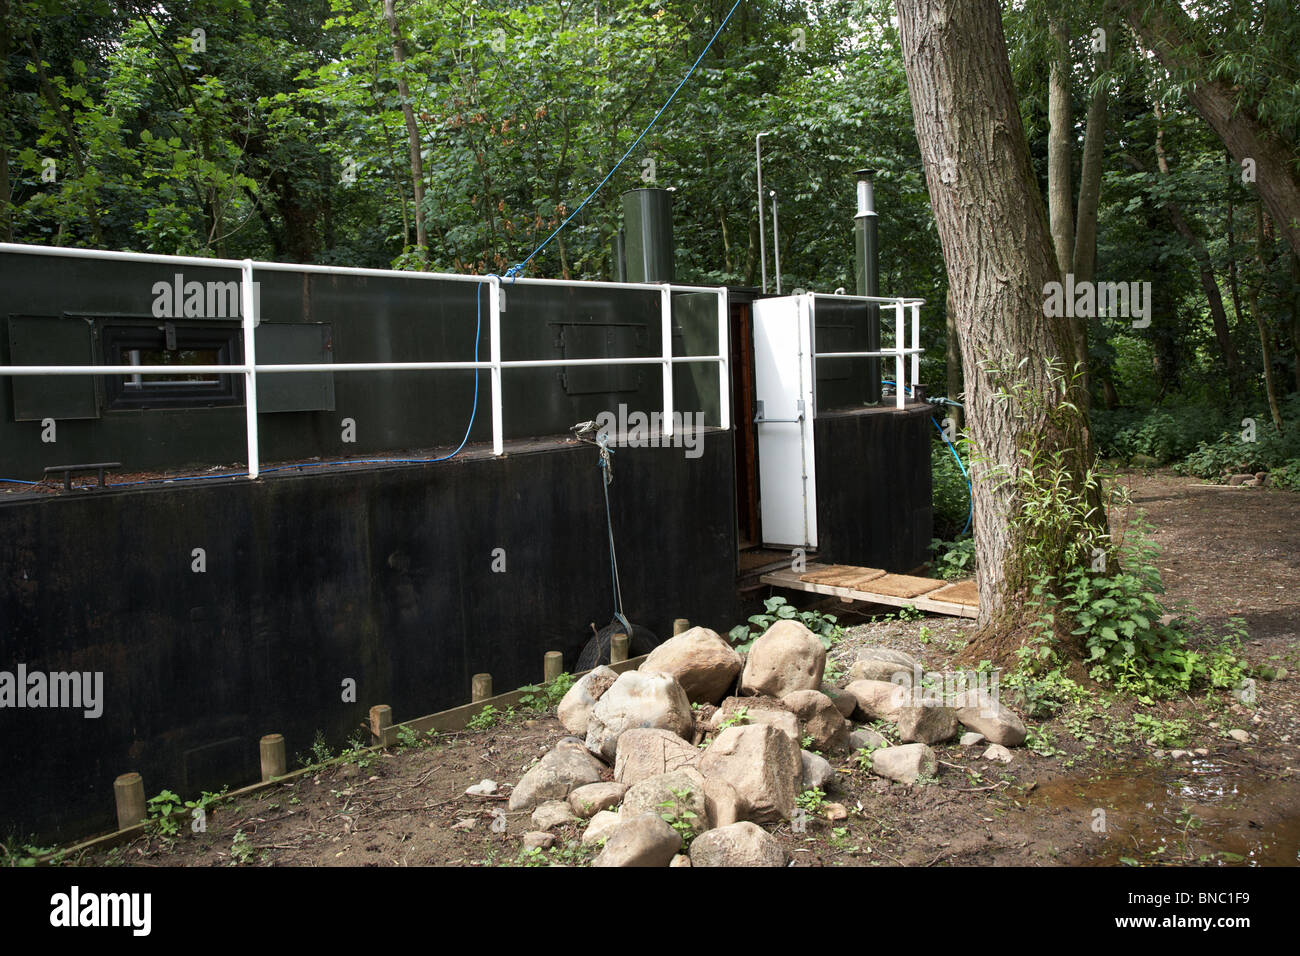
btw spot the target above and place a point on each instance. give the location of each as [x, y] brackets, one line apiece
[648, 218]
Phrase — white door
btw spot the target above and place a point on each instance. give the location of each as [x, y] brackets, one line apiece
[783, 384]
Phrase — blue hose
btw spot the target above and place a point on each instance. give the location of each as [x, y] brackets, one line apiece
[952, 448]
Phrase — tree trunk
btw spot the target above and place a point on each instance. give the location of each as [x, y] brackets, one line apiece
[1169, 33]
[1060, 138]
[1209, 282]
[952, 356]
[1085, 222]
[1252, 294]
[412, 131]
[1094, 148]
[999, 257]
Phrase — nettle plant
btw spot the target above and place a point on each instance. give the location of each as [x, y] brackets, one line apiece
[1102, 588]
[775, 609]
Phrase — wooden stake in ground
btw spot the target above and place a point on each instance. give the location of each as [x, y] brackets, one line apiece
[999, 256]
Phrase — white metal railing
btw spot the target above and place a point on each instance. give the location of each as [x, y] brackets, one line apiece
[899, 352]
[494, 364]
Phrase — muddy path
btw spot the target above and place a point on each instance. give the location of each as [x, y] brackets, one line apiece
[1094, 788]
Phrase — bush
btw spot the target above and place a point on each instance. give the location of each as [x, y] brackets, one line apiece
[778, 609]
[1165, 434]
[1231, 454]
[954, 559]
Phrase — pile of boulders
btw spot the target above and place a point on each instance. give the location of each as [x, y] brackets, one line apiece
[720, 745]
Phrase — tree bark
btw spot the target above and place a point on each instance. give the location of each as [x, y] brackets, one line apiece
[952, 357]
[1209, 282]
[1170, 34]
[1060, 138]
[999, 256]
[412, 131]
[1252, 294]
[1085, 222]
[1090, 170]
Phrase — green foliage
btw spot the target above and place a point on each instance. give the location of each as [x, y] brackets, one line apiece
[811, 801]
[1231, 453]
[540, 698]
[778, 609]
[678, 814]
[739, 716]
[954, 559]
[1165, 434]
[1105, 589]
[1046, 688]
[950, 491]
[318, 753]
[19, 853]
[486, 718]
[241, 849]
[167, 814]
[1158, 732]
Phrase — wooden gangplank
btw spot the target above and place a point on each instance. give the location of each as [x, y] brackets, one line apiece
[874, 586]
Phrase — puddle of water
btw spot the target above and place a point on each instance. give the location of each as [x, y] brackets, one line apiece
[1194, 812]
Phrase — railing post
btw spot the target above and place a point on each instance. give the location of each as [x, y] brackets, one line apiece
[272, 753]
[128, 793]
[247, 314]
[916, 342]
[494, 336]
[900, 343]
[724, 360]
[618, 647]
[666, 311]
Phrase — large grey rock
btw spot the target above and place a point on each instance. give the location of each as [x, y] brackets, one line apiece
[648, 752]
[756, 710]
[642, 840]
[879, 700]
[787, 657]
[601, 826]
[865, 737]
[575, 707]
[556, 775]
[763, 766]
[1001, 753]
[589, 800]
[539, 840]
[678, 792]
[740, 844]
[553, 813]
[638, 699]
[820, 719]
[905, 763]
[701, 661]
[997, 723]
[926, 725]
[886, 664]
[722, 802]
[845, 703]
[817, 771]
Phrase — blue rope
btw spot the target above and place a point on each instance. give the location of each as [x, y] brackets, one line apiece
[515, 270]
[970, 489]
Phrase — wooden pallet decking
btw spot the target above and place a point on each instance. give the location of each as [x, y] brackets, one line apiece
[874, 586]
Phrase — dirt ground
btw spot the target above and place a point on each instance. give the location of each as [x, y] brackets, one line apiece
[1091, 787]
